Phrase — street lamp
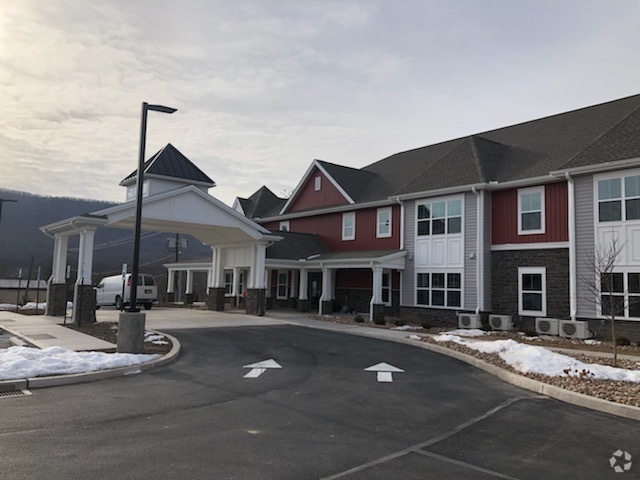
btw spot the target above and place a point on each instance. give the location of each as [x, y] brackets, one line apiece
[133, 297]
[131, 322]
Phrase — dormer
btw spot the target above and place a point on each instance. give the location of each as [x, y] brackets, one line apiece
[167, 170]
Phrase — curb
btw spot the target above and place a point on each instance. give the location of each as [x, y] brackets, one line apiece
[69, 379]
[564, 395]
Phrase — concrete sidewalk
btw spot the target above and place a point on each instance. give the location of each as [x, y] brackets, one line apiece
[43, 332]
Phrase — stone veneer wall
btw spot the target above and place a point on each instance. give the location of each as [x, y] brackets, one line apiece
[215, 299]
[504, 276]
[85, 305]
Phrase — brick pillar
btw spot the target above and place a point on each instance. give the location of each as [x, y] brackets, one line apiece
[378, 311]
[215, 299]
[327, 307]
[303, 305]
[57, 299]
[256, 301]
[85, 307]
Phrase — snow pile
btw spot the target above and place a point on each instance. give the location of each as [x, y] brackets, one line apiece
[415, 337]
[532, 359]
[34, 306]
[464, 332]
[406, 327]
[25, 362]
[155, 338]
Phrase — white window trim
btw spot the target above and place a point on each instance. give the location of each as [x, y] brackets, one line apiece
[345, 216]
[536, 271]
[541, 191]
[430, 288]
[286, 224]
[433, 200]
[378, 222]
[317, 183]
[619, 174]
[286, 284]
[227, 272]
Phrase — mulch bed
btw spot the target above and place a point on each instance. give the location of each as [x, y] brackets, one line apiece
[108, 331]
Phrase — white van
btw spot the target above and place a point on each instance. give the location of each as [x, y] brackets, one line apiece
[109, 291]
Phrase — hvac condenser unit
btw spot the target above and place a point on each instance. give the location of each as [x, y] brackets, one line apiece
[570, 329]
[547, 326]
[469, 320]
[500, 322]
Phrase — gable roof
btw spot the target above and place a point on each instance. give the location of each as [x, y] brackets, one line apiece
[170, 162]
[296, 246]
[263, 203]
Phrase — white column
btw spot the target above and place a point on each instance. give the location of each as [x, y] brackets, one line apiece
[376, 296]
[60, 244]
[209, 276]
[295, 279]
[171, 279]
[327, 286]
[259, 262]
[85, 257]
[251, 274]
[236, 282]
[304, 284]
[218, 267]
[189, 287]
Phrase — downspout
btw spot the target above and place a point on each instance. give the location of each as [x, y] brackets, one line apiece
[479, 248]
[401, 203]
[572, 247]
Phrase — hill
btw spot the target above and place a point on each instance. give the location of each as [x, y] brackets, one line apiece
[21, 240]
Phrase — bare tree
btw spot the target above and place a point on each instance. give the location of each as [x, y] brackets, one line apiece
[606, 287]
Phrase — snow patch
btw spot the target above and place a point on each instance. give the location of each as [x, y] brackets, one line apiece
[463, 332]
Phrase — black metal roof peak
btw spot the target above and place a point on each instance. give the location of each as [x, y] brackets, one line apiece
[170, 162]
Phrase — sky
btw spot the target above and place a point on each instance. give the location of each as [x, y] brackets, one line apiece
[263, 88]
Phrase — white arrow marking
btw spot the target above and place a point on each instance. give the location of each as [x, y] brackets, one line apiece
[385, 371]
[260, 367]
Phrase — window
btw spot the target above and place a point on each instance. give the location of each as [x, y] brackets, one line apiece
[619, 199]
[284, 226]
[318, 183]
[620, 294]
[439, 218]
[439, 289]
[532, 297]
[384, 223]
[531, 210]
[349, 226]
[386, 288]
[283, 290]
[228, 282]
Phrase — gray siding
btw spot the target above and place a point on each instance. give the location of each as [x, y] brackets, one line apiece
[407, 296]
[470, 250]
[584, 245]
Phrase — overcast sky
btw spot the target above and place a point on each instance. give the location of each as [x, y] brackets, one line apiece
[263, 88]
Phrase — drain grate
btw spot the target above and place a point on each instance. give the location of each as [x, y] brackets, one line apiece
[15, 393]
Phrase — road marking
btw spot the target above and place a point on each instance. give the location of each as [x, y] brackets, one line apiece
[385, 371]
[260, 367]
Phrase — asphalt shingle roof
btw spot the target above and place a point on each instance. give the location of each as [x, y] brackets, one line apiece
[296, 246]
[263, 203]
[169, 162]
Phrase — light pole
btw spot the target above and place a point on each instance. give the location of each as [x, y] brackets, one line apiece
[131, 322]
[133, 297]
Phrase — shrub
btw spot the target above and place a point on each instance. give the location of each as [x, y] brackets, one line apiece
[379, 321]
[358, 319]
[399, 323]
[623, 341]
[426, 325]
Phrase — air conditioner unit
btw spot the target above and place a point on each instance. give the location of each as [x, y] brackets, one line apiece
[547, 326]
[500, 322]
[571, 329]
[469, 320]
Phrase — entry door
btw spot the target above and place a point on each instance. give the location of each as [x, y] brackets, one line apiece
[314, 288]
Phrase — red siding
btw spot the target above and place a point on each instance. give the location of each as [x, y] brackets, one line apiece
[308, 197]
[504, 216]
[329, 227]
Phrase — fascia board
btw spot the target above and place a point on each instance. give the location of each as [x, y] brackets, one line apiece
[600, 167]
[336, 209]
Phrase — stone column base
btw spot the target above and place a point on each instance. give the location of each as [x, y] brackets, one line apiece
[302, 305]
[171, 297]
[57, 299]
[269, 303]
[326, 307]
[215, 300]
[189, 298]
[378, 312]
[292, 302]
[256, 301]
[84, 304]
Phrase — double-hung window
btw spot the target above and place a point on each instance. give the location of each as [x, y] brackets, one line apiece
[620, 294]
[532, 294]
[619, 199]
[531, 210]
[349, 226]
[282, 290]
[386, 288]
[383, 229]
[228, 282]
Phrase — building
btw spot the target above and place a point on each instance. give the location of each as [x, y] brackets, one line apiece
[505, 221]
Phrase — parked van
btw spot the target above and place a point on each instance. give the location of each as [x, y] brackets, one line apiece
[109, 291]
